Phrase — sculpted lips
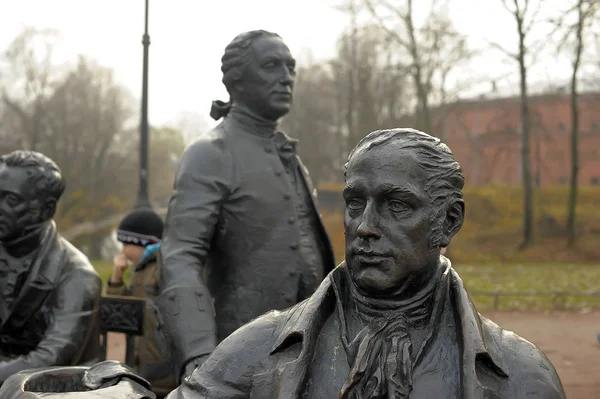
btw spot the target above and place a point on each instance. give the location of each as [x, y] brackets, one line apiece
[284, 94]
[369, 257]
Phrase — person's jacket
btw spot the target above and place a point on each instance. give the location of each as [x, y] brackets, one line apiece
[269, 357]
[55, 320]
[230, 238]
[149, 360]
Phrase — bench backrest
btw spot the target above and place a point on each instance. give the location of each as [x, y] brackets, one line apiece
[122, 314]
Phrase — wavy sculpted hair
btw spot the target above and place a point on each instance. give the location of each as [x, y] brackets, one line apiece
[445, 178]
[41, 170]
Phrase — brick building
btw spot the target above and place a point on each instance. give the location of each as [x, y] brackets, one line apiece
[484, 136]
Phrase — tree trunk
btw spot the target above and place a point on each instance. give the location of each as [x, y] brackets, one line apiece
[423, 118]
[351, 105]
[525, 141]
[572, 204]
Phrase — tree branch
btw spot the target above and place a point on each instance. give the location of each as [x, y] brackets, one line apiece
[502, 49]
[383, 25]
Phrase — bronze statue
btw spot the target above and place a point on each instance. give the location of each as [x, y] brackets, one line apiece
[49, 291]
[108, 379]
[394, 320]
[242, 227]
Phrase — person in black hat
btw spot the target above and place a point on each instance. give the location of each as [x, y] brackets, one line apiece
[140, 232]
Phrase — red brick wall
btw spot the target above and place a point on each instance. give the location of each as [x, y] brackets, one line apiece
[483, 135]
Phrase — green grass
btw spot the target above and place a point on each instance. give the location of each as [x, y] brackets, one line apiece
[104, 268]
[573, 278]
[546, 278]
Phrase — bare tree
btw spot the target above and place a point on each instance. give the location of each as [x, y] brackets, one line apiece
[78, 117]
[585, 12]
[347, 54]
[572, 204]
[378, 87]
[404, 16]
[525, 18]
[338, 101]
[429, 53]
[27, 83]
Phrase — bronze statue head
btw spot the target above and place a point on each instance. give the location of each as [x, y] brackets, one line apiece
[30, 187]
[403, 198]
[258, 72]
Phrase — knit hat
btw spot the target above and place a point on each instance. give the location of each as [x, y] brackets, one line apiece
[140, 227]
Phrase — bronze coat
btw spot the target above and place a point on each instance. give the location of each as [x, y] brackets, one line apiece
[54, 321]
[268, 357]
[232, 211]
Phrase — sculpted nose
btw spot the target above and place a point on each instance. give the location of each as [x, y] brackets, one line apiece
[286, 77]
[369, 225]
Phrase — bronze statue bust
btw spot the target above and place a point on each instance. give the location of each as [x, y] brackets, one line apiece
[49, 292]
[242, 227]
[394, 320]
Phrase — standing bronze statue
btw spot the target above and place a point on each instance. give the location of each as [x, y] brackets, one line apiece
[49, 291]
[242, 227]
[394, 320]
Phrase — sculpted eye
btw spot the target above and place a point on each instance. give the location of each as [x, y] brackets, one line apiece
[269, 64]
[354, 204]
[397, 206]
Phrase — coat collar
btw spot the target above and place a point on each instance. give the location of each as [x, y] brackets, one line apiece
[475, 336]
[46, 267]
[304, 318]
[43, 277]
[304, 321]
[248, 122]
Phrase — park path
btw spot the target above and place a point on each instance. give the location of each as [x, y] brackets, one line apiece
[569, 341]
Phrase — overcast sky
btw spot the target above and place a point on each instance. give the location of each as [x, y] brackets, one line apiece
[188, 38]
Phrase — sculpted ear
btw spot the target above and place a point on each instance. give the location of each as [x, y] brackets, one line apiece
[238, 86]
[455, 216]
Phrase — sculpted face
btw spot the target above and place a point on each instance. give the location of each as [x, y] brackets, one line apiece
[19, 206]
[387, 220]
[266, 87]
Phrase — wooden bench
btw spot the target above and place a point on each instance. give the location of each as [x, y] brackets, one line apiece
[121, 314]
